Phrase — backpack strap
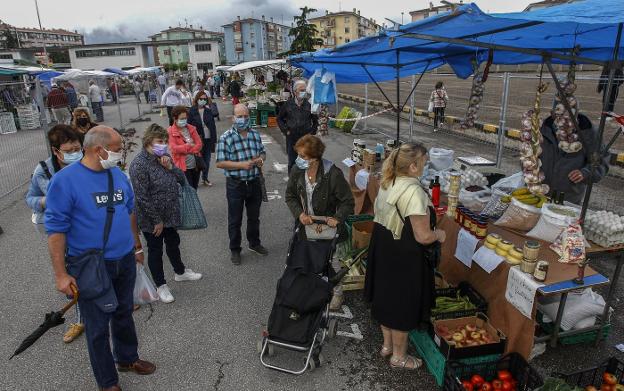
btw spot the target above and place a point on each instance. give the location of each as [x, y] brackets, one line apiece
[110, 209]
[45, 169]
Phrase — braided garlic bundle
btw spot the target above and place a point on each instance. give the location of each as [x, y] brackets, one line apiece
[476, 96]
[566, 133]
[530, 149]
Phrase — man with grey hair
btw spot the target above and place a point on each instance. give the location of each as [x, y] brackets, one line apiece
[95, 96]
[295, 120]
[77, 207]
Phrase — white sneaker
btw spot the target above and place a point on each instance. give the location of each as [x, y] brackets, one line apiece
[165, 294]
[188, 275]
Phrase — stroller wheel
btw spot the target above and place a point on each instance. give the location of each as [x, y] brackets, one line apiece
[316, 361]
[270, 349]
[332, 327]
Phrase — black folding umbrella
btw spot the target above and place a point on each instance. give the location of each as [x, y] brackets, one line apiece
[52, 319]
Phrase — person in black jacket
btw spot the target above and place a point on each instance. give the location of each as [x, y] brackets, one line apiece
[603, 84]
[235, 90]
[295, 120]
[200, 114]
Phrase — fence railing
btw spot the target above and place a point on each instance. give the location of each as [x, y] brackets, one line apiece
[23, 141]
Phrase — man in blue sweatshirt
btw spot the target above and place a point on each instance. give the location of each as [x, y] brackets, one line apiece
[74, 219]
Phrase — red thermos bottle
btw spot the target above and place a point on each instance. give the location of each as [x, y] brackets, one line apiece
[435, 192]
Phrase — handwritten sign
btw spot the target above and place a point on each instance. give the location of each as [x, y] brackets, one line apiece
[466, 245]
[487, 259]
[521, 289]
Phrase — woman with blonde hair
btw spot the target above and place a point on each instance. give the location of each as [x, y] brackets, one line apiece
[403, 253]
[81, 121]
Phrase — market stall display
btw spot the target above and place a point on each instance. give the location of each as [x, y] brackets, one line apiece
[531, 150]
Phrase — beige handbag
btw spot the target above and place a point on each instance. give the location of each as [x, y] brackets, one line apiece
[318, 230]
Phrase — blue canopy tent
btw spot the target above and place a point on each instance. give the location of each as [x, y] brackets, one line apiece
[583, 32]
[46, 77]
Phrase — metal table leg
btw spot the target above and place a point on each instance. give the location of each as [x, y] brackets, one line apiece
[610, 294]
[555, 335]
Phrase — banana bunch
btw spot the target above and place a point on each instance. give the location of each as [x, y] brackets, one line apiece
[526, 197]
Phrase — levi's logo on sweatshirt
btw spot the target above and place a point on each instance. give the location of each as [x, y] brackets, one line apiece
[101, 198]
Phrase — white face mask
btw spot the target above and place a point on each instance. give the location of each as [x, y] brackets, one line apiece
[113, 159]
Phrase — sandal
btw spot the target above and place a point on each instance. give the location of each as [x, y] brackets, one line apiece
[402, 364]
[385, 352]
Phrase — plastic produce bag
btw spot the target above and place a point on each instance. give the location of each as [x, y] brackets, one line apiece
[570, 244]
[510, 183]
[519, 216]
[554, 219]
[495, 207]
[144, 289]
[441, 159]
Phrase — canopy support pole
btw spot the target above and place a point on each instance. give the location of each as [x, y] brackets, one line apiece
[615, 136]
[411, 116]
[596, 154]
[398, 97]
[484, 45]
[415, 85]
[365, 106]
[379, 87]
[118, 99]
[502, 121]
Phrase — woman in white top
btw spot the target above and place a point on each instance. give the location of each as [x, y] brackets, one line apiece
[401, 257]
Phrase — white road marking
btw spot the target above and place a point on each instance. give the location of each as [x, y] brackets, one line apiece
[355, 334]
[273, 195]
[346, 313]
[266, 139]
[279, 167]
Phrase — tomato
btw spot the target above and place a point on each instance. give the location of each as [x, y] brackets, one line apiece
[508, 386]
[497, 384]
[477, 381]
[467, 385]
[486, 386]
[505, 375]
[609, 378]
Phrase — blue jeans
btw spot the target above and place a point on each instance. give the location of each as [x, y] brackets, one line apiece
[122, 273]
[241, 195]
[97, 110]
[206, 153]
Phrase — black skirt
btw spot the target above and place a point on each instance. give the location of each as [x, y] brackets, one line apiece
[399, 280]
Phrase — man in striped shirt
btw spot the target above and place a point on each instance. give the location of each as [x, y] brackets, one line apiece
[241, 154]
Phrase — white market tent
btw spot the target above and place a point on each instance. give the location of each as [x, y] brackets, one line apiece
[223, 68]
[135, 71]
[275, 64]
[79, 75]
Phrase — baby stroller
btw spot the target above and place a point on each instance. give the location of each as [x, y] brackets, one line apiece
[300, 319]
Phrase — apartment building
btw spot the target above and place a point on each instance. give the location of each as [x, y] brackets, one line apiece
[12, 37]
[337, 28]
[252, 39]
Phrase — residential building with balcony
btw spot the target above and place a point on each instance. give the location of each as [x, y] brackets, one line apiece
[168, 51]
[337, 28]
[255, 39]
[26, 37]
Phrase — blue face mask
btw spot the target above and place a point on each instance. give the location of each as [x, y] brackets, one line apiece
[241, 123]
[69, 158]
[302, 163]
[181, 123]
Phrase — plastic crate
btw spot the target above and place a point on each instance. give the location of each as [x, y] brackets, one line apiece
[272, 122]
[253, 117]
[7, 123]
[593, 376]
[435, 361]
[264, 118]
[465, 289]
[527, 377]
[588, 336]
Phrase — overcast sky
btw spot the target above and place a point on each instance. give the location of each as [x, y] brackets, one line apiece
[123, 20]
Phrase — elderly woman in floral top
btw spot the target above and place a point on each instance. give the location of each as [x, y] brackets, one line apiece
[155, 181]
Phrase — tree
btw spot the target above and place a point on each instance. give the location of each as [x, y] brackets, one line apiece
[305, 34]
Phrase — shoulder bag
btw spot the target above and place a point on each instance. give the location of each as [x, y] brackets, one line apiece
[318, 230]
[89, 268]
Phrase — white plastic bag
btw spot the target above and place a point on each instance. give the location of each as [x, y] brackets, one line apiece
[144, 289]
[510, 183]
[519, 216]
[430, 108]
[579, 307]
[441, 159]
[554, 219]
